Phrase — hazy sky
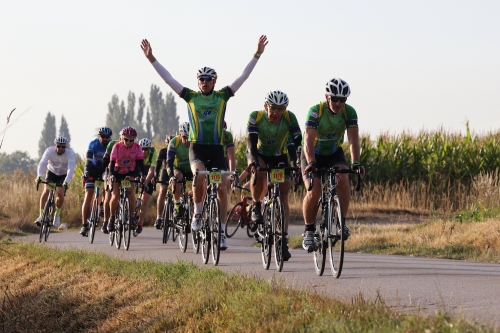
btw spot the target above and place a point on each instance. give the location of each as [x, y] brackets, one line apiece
[410, 64]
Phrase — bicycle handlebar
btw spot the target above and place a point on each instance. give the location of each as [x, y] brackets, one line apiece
[269, 169]
[334, 171]
[44, 182]
[223, 172]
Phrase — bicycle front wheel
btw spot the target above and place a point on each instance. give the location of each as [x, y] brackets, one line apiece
[335, 236]
[215, 230]
[234, 219]
[205, 235]
[167, 219]
[278, 233]
[320, 253]
[127, 228]
[119, 226]
[94, 217]
[47, 218]
[265, 232]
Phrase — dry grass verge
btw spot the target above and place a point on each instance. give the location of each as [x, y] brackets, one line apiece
[474, 241]
[46, 290]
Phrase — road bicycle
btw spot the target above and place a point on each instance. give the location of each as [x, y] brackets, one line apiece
[94, 219]
[210, 233]
[123, 228]
[240, 216]
[271, 233]
[48, 211]
[330, 237]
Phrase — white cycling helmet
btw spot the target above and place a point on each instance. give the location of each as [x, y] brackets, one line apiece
[338, 87]
[61, 140]
[145, 143]
[184, 129]
[206, 71]
[277, 97]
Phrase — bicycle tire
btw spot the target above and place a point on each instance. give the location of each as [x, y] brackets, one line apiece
[119, 226]
[205, 235]
[111, 238]
[234, 220]
[94, 216]
[278, 225]
[335, 238]
[48, 211]
[250, 233]
[265, 231]
[320, 253]
[174, 231]
[127, 228]
[167, 219]
[215, 230]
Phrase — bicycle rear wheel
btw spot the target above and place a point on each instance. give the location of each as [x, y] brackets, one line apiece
[265, 231]
[119, 226]
[167, 219]
[234, 220]
[205, 235]
[94, 217]
[127, 228]
[278, 233]
[335, 236]
[215, 230]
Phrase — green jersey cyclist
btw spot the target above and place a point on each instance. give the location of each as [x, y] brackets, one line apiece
[206, 112]
[326, 125]
[268, 132]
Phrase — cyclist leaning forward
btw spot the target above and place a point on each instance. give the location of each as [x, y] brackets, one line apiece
[161, 173]
[94, 169]
[60, 164]
[127, 160]
[326, 125]
[268, 133]
[150, 158]
[178, 164]
[206, 111]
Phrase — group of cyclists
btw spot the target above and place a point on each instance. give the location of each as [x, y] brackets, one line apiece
[274, 138]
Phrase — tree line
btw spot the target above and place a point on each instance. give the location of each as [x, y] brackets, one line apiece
[160, 115]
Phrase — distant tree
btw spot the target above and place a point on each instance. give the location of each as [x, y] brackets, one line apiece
[48, 134]
[17, 160]
[140, 114]
[114, 119]
[149, 134]
[64, 130]
[163, 113]
[172, 119]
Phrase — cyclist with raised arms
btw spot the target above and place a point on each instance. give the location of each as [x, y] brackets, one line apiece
[161, 173]
[94, 168]
[268, 132]
[178, 163]
[150, 157]
[127, 160]
[206, 111]
[59, 160]
[326, 125]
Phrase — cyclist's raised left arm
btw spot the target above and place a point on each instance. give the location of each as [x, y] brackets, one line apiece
[71, 165]
[249, 68]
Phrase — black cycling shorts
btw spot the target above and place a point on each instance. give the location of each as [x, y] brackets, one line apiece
[324, 162]
[53, 178]
[203, 153]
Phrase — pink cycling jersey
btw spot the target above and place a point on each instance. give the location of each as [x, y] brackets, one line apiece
[125, 158]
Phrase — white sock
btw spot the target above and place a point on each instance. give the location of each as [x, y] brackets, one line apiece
[198, 207]
[223, 227]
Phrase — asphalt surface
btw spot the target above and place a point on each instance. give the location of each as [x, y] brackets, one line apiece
[410, 284]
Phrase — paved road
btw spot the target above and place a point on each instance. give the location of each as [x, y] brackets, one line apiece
[408, 283]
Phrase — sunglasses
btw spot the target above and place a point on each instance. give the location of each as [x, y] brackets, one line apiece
[105, 137]
[275, 110]
[338, 99]
[63, 147]
[128, 140]
[205, 78]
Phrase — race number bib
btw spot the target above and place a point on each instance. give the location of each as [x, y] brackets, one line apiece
[125, 184]
[216, 177]
[189, 186]
[52, 186]
[277, 175]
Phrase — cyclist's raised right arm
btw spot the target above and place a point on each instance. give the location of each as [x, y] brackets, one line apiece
[162, 71]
